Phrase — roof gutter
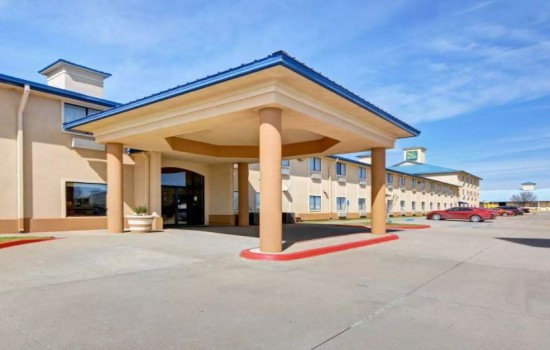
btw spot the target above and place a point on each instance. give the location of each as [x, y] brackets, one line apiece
[20, 160]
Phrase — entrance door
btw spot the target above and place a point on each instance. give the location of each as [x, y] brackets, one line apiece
[182, 197]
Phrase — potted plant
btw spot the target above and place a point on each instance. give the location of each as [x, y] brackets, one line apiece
[140, 222]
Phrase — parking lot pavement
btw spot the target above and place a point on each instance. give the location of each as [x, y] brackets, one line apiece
[459, 285]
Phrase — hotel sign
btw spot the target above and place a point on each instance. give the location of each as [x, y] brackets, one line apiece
[411, 155]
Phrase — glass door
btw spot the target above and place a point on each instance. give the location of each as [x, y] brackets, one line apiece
[169, 205]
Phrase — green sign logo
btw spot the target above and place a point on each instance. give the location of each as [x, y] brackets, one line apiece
[411, 155]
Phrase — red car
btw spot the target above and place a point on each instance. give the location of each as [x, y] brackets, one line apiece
[504, 212]
[462, 213]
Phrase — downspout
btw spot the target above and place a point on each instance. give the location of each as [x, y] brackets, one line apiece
[330, 185]
[20, 161]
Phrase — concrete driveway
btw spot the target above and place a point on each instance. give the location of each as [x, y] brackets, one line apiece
[458, 285]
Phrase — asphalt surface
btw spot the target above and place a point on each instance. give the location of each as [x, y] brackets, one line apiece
[459, 285]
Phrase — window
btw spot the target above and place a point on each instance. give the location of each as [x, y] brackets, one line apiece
[402, 182]
[422, 185]
[315, 164]
[431, 186]
[340, 169]
[445, 205]
[73, 112]
[314, 203]
[362, 173]
[389, 205]
[257, 201]
[341, 203]
[423, 206]
[389, 178]
[438, 206]
[285, 163]
[86, 199]
[413, 181]
[431, 206]
[413, 204]
[235, 200]
[402, 205]
[362, 204]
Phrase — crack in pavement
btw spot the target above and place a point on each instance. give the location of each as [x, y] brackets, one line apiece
[399, 300]
[18, 329]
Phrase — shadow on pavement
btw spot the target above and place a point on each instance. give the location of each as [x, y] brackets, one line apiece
[532, 242]
[292, 233]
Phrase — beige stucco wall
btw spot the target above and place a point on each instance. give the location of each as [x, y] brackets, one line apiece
[443, 194]
[301, 185]
[9, 103]
[468, 185]
[49, 161]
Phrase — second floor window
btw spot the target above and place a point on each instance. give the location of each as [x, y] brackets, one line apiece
[389, 178]
[413, 183]
[315, 164]
[402, 182]
[74, 112]
[285, 163]
[340, 169]
[362, 173]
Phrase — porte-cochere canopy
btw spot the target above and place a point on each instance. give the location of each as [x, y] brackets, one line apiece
[269, 109]
[217, 117]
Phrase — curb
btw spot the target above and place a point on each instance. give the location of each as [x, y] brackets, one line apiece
[394, 227]
[249, 254]
[397, 227]
[24, 241]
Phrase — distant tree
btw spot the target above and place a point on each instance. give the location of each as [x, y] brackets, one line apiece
[524, 197]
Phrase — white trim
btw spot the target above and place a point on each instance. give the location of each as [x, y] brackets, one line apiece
[315, 175]
[86, 143]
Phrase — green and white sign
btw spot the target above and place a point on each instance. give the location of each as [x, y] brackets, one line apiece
[411, 155]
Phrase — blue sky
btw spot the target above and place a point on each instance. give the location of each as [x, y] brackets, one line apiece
[474, 76]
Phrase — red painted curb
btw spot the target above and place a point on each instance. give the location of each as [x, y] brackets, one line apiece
[397, 227]
[248, 254]
[24, 241]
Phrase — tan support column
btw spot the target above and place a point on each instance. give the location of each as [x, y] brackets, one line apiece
[271, 226]
[243, 194]
[378, 191]
[115, 208]
[155, 189]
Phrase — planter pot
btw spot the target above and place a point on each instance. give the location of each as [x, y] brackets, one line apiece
[140, 223]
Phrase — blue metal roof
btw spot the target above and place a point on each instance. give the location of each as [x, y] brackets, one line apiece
[543, 195]
[6, 79]
[278, 58]
[106, 75]
[346, 159]
[421, 168]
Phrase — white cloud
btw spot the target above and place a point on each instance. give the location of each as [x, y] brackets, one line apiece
[473, 8]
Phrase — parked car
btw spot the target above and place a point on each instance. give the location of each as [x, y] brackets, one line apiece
[504, 212]
[515, 210]
[462, 213]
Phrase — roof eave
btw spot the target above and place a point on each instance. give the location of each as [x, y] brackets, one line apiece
[60, 61]
[278, 58]
[6, 79]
